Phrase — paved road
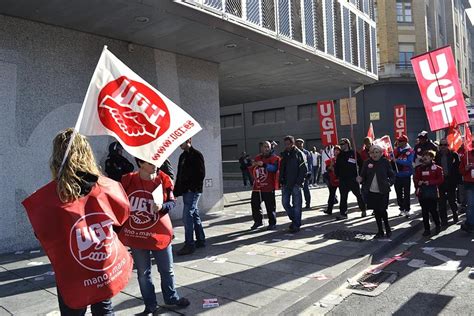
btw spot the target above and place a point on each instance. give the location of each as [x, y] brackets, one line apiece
[436, 278]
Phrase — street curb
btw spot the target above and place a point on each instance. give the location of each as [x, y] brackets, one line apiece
[278, 307]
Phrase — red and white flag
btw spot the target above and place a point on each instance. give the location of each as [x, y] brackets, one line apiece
[467, 137]
[121, 104]
[370, 132]
[440, 90]
[454, 136]
[400, 120]
[386, 143]
[327, 123]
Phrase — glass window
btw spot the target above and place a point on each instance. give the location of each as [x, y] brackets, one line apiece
[404, 11]
[268, 116]
[405, 53]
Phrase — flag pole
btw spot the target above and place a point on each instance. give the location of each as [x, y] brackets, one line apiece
[78, 124]
[349, 110]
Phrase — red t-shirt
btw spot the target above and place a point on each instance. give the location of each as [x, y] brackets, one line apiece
[146, 229]
[263, 180]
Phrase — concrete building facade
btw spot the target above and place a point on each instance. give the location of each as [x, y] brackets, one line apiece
[405, 28]
[201, 54]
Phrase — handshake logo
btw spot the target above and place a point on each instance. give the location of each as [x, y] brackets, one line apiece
[143, 216]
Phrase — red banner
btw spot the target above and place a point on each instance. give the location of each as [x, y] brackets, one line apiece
[370, 132]
[454, 136]
[400, 120]
[439, 86]
[327, 123]
[386, 144]
[467, 137]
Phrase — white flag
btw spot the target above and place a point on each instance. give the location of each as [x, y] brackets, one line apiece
[121, 104]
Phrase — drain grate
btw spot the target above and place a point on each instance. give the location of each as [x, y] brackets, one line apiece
[349, 235]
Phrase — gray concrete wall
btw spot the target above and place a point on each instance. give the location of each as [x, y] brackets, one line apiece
[44, 74]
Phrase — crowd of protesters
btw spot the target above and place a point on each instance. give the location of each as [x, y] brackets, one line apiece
[441, 177]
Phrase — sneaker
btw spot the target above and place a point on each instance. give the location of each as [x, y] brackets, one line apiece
[294, 230]
[378, 236]
[407, 214]
[327, 212]
[341, 217]
[307, 207]
[182, 302]
[426, 233]
[255, 226]
[389, 234]
[402, 213]
[200, 244]
[271, 227]
[186, 250]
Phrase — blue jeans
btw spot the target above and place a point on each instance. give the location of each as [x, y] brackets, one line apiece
[191, 220]
[469, 191]
[306, 193]
[164, 263]
[293, 211]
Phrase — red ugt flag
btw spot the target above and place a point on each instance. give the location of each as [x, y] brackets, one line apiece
[370, 132]
[467, 138]
[440, 90]
[121, 104]
[327, 123]
[454, 137]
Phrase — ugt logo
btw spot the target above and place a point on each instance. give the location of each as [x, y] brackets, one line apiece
[93, 242]
[440, 90]
[133, 111]
[142, 216]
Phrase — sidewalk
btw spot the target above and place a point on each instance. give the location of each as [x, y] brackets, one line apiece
[249, 272]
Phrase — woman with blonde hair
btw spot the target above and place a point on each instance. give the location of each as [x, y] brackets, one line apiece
[73, 217]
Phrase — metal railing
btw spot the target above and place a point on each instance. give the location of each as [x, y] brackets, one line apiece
[336, 28]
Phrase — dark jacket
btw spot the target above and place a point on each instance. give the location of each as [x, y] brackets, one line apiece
[191, 172]
[293, 168]
[421, 148]
[116, 166]
[385, 175]
[167, 168]
[346, 167]
[451, 175]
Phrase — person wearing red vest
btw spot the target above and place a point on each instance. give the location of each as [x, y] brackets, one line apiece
[74, 217]
[333, 182]
[428, 177]
[146, 217]
[466, 168]
[364, 151]
[263, 170]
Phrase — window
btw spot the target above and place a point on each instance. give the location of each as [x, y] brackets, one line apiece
[268, 116]
[404, 11]
[440, 25]
[405, 53]
[306, 112]
[230, 152]
[456, 35]
[231, 121]
[459, 70]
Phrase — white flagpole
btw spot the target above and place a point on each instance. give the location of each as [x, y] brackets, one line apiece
[78, 122]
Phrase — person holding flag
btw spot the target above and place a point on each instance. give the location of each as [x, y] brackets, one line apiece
[332, 180]
[364, 151]
[264, 169]
[77, 203]
[403, 156]
[346, 170]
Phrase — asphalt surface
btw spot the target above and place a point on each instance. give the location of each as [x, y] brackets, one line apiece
[436, 277]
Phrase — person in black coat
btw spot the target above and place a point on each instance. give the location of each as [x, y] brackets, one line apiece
[117, 165]
[377, 176]
[346, 169]
[189, 182]
[449, 161]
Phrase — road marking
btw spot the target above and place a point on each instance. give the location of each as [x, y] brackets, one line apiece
[448, 265]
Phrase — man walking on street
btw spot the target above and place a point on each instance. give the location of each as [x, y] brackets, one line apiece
[404, 156]
[292, 174]
[264, 169]
[316, 170]
[309, 162]
[346, 169]
[449, 161]
[189, 181]
[466, 168]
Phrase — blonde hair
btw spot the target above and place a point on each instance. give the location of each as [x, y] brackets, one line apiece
[80, 158]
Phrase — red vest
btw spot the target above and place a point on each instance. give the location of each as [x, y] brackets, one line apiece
[333, 180]
[468, 175]
[89, 261]
[263, 180]
[146, 229]
[431, 173]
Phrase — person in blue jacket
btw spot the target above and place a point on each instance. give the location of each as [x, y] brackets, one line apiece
[404, 156]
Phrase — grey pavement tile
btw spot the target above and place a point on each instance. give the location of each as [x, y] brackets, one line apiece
[226, 306]
[27, 299]
[193, 278]
[248, 258]
[297, 268]
[244, 292]
[219, 268]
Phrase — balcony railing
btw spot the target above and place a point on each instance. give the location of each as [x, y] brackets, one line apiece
[335, 28]
[395, 70]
